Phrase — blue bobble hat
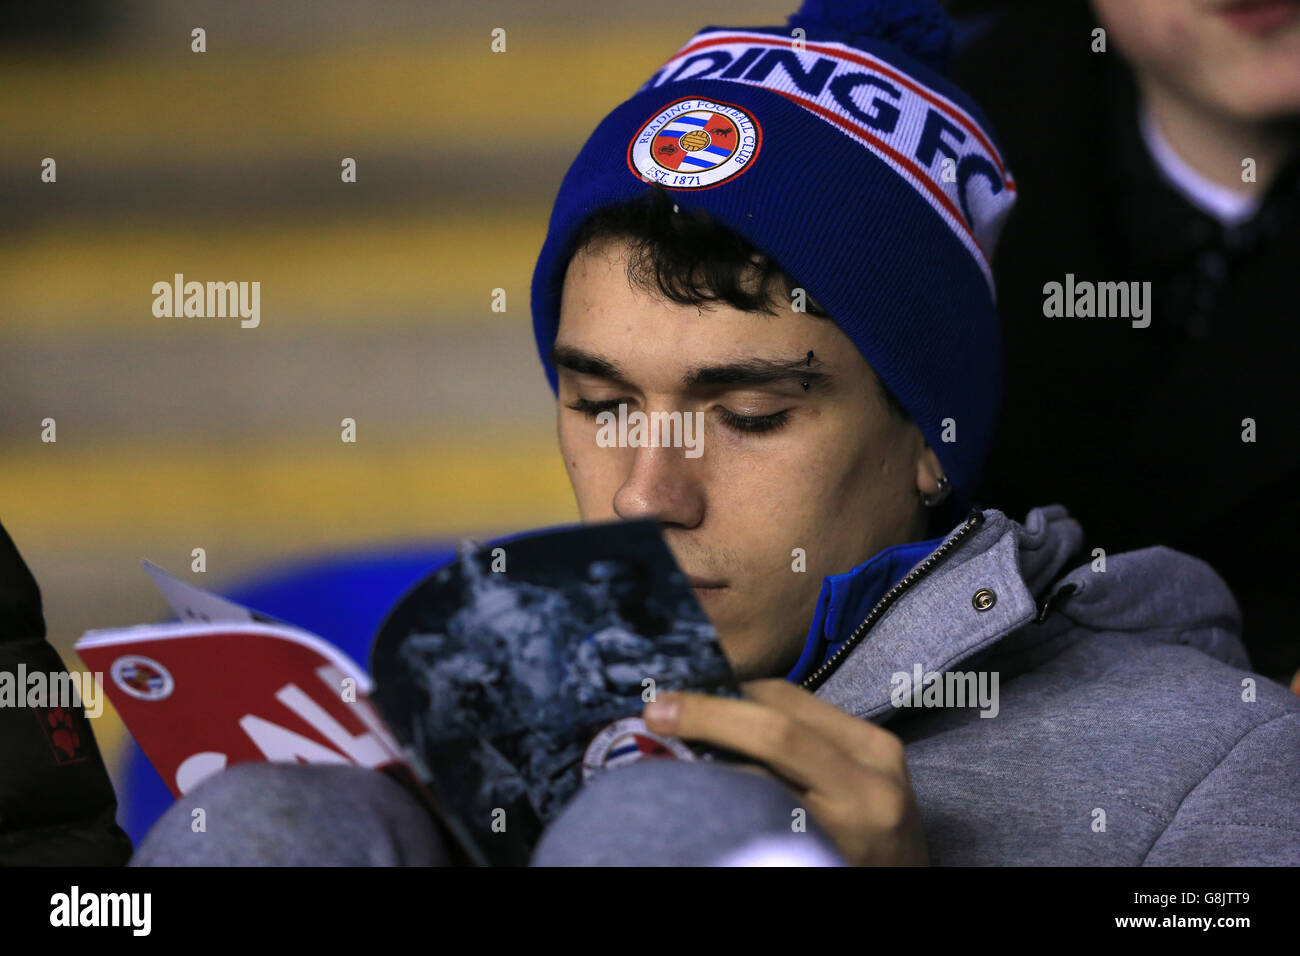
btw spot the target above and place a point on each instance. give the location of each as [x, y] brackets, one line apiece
[838, 147]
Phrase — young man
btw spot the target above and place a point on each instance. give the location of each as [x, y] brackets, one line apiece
[787, 231]
[1126, 729]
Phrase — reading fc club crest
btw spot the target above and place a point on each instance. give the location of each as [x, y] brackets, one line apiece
[627, 741]
[694, 144]
[142, 677]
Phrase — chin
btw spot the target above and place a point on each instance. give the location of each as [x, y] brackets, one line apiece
[736, 650]
[1266, 95]
[751, 656]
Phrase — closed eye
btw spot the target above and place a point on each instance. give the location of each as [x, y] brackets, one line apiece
[750, 424]
[753, 423]
[592, 409]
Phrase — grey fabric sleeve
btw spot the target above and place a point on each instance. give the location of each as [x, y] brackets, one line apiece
[1246, 811]
[263, 814]
[672, 813]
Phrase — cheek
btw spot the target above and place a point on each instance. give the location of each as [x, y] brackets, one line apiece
[1260, 85]
[782, 493]
[763, 481]
[1155, 32]
[594, 472]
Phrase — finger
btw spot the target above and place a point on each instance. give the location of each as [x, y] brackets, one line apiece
[860, 739]
[791, 748]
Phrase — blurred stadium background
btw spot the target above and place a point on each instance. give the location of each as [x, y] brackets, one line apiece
[175, 434]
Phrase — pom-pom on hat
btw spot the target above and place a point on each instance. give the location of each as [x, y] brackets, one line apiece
[835, 145]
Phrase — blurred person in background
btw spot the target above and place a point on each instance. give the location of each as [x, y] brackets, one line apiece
[1162, 151]
[57, 804]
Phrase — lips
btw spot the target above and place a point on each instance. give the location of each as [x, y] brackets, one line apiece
[703, 585]
[1260, 17]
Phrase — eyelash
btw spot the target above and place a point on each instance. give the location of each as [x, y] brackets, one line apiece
[752, 424]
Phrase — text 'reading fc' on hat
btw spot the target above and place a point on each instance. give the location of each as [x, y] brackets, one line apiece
[836, 145]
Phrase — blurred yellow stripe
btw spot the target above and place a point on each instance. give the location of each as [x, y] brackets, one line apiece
[223, 106]
[382, 271]
[284, 496]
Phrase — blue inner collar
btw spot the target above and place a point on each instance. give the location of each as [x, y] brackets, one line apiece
[846, 599]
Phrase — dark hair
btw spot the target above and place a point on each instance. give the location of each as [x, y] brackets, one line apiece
[690, 258]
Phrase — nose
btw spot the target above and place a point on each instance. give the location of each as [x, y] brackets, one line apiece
[662, 484]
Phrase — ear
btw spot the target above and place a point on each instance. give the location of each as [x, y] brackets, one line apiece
[928, 472]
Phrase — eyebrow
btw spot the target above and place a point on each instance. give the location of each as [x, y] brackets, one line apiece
[745, 372]
[756, 371]
[587, 363]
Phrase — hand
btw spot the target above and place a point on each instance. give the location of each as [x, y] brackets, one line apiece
[851, 774]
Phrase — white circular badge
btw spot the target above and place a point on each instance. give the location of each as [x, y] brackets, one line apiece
[695, 143]
[142, 677]
[627, 741]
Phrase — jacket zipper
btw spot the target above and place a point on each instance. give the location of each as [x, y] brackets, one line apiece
[813, 680]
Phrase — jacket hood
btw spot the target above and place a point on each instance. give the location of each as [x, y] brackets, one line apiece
[1022, 588]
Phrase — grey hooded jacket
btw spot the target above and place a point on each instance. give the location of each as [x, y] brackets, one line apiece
[1128, 728]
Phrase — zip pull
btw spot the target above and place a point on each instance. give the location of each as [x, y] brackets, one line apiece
[1054, 600]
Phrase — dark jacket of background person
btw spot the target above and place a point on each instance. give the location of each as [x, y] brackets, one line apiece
[57, 804]
[1138, 430]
